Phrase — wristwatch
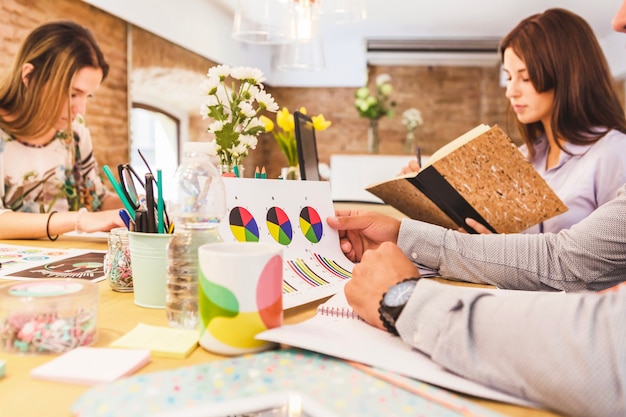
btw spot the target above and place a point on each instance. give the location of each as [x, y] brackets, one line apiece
[393, 302]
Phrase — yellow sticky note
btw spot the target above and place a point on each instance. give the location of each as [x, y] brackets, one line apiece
[165, 342]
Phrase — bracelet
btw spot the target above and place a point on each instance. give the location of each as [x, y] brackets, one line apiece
[48, 227]
[77, 227]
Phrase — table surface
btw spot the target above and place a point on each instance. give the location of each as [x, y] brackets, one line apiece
[20, 395]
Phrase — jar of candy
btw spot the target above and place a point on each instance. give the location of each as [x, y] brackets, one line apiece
[117, 261]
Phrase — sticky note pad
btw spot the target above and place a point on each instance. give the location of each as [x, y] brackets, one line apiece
[89, 365]
[165, 342]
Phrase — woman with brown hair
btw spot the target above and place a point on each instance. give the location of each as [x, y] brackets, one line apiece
[51, 183]
[560, 87]
[571, 120]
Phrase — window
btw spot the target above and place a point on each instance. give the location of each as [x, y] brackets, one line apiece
[156, 134]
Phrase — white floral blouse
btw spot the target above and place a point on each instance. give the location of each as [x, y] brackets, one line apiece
[61, 175]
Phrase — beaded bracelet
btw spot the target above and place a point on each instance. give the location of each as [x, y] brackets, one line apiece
[48, 227]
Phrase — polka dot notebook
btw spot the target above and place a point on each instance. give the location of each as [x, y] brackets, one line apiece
[276, 383]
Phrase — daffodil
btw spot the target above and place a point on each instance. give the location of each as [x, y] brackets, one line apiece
[285, 137]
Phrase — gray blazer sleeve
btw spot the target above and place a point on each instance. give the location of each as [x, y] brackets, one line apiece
[564, 351]
[591, 255]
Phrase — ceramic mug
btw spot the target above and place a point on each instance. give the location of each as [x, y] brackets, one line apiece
[240, 295]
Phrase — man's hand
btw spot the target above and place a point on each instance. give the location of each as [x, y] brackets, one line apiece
[360, 231]
[378, 270]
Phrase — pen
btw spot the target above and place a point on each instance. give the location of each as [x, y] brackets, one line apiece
[398, 382]
[160, 203]
[150, 219]
[125, 218]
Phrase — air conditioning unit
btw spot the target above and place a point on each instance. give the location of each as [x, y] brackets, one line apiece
[434, 51]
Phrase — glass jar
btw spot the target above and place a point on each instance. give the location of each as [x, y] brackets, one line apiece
[117, 261]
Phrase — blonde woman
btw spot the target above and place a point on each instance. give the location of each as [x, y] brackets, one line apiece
[51, 183]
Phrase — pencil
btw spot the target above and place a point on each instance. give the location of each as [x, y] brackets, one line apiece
[118, 190]
[257, 173]
[398, 382]
[160, 203]
[263, 173]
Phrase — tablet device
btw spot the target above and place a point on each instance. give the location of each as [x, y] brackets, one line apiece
[307, 147]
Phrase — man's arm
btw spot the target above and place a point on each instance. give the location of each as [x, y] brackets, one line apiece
[589, 256]
[566, 351]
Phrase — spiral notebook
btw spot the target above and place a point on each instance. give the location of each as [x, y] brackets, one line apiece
[336, 330]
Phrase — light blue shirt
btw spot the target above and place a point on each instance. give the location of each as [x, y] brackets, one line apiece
[584, 180]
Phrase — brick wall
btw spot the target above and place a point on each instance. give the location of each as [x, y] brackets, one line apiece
[452, 99]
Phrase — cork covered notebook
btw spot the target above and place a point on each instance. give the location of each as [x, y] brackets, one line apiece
[481, 175]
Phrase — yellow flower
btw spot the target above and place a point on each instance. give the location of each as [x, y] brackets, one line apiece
[320, 123]
[267, 122]
[285, 137]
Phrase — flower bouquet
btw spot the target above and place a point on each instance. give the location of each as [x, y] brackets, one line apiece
[286, 138]
[375, 106]
[236, 96]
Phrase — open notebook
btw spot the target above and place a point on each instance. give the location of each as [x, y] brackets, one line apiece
[337, 331]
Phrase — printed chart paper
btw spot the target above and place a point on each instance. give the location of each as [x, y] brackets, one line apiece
[291, 214]
[27, 263]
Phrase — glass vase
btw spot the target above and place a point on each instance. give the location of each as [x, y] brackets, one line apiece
[228, 170]
[372, 136]
[409, 144]
[291, 172]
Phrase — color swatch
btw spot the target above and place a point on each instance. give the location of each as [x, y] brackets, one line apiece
[243, 226]
[279, 225]
[311, 224]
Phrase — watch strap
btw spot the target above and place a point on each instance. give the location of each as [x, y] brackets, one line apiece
[389, 315]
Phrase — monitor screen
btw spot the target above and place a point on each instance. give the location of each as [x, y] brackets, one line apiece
[307, 147]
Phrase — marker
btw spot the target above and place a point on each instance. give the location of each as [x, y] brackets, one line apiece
[125, 218]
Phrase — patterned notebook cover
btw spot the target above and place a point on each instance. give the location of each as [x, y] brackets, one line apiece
[265, 384]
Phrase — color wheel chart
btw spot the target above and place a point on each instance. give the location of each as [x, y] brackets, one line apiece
[26, 262]
[290, 214]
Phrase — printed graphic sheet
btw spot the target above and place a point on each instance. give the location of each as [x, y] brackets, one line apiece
[291, 214]
[27, 263]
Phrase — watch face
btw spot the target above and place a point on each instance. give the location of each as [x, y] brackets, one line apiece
[399, 294]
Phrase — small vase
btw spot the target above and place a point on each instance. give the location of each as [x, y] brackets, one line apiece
[232, 170]
[372, 136]
[290, 173]
[409, 145]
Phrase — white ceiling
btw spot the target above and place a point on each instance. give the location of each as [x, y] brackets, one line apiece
[203, 26]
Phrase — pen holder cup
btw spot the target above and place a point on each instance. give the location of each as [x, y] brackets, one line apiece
[240, 289]
[49, 316]
[148, 257]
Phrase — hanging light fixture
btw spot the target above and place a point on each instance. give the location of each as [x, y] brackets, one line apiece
[342, 11]
[305, 51]
[263, 21]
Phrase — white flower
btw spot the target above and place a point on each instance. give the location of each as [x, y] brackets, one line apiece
[252, 75]
[247, 109]
[412, 118]
[266, 100]
[383, 79]
[219, 72]
[209, 86]
[216, 126]
[249, 141]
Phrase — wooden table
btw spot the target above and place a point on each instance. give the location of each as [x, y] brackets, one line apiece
[20, 395]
